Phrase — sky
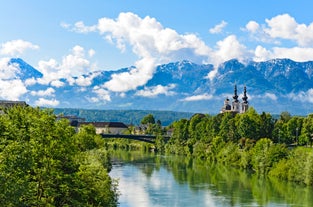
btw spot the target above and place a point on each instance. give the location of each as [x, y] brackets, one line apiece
[69, 38]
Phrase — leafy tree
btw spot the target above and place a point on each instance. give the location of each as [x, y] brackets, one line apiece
[194, 125]
[249, 125]
[285, 116]
[228, 129]
[265, 154]
[149, 119]
[294, 126]
[266, 125]
[307, 130]
[41, 162]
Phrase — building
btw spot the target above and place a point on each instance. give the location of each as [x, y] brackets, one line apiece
[74, 120]
[236, 106]
[10, 104]
[107, 127]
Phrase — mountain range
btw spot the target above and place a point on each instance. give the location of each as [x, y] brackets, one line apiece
[272, 86]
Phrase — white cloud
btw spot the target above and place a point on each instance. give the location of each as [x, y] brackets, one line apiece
[261, 54]
[218, 28]
[156, 90]
[47, 102]
[48, 92]
[270, 96]
[102, 95]
[8, 71]
[12, 89]
[80, 27]
[230, 48]
[57, 83]
[73, 64]
[154, 44]
[30, 81]
[303, 96]
[84, 80]
[16, 47]
[252, 26]
[151, 42]
[227, 49]
[198, 97]
[91, 52]
[296, 53]
[283, 27]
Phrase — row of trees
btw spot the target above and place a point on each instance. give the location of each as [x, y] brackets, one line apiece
[250, 140]
[44, 162]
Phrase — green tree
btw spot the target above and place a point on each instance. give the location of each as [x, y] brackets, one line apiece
[228, 129]
[307, 130]
[294, 126]
[265, 154]
[249, 124]
[266, 125]
[148, 119]
[42, 166]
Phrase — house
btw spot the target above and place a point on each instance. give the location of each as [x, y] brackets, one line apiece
[107, 127]
[5, 104]
[74, 120]
[9, 104]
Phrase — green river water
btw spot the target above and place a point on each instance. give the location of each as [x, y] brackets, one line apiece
[148, 180]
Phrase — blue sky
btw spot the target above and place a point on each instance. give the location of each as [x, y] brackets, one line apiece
[39, 22]
[70, 38]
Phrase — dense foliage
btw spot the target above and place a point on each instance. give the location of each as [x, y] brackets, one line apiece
[126, 116]
[44, 162]
[268, 146]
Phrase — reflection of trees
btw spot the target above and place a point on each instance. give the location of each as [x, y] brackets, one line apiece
[240, 186]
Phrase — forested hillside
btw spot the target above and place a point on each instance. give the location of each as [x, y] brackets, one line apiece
[125, 116]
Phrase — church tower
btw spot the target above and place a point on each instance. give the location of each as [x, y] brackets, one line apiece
[244, 105]
[235, 103]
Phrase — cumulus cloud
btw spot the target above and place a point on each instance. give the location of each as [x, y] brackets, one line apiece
[8, 71]
[226, 49]
[295, 53]
[16, 47]
[278, 29]
[47, 102]
[154, 44]
[303, 96]
[218, 28]
[285, 27]
[252, 26]
[73, 64]
[199, 97]
[101, 95]
[156, 90]
[150, 41]
[270, 96]
[12, 89]
[48, 92]
[230, 48]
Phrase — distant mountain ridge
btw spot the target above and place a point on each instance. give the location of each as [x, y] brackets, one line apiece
[272, 86]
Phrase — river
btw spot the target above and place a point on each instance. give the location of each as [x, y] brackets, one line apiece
[149, 180]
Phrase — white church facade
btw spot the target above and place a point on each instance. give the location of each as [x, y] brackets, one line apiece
[236, 106]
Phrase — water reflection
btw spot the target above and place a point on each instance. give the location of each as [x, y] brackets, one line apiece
[149, 180]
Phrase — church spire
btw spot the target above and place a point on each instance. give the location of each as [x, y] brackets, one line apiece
[245, 97]
[235, 97]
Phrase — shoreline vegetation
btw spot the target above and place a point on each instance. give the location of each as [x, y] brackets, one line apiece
[266, 146]
[45, 162]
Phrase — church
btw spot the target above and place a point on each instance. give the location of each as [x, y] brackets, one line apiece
[236, 106]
